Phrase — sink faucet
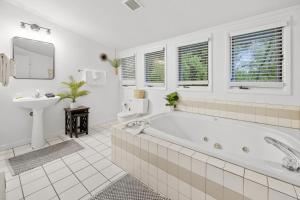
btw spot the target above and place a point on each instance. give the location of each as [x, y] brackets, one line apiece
[37, 93]
[292, 159]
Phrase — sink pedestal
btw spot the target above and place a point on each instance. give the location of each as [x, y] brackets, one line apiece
[37, 137]
[37, 105]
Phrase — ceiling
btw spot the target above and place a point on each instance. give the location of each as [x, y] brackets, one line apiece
[112, 24]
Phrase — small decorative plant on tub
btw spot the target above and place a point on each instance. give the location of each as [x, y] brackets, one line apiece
[74, 91]
[172, 100]
[115, 62]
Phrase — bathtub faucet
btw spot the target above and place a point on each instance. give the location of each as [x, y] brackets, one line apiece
[292, 159]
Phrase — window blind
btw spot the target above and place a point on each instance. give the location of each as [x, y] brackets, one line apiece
[257, 58]
[155, 68]
[193, 65]
[128, 70]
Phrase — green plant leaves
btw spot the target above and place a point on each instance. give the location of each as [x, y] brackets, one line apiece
[74, 90]
[172, 99]
[115, 62]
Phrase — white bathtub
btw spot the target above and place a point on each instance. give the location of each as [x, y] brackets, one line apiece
[188, 129]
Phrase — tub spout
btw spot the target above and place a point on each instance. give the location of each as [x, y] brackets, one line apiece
[292, 159]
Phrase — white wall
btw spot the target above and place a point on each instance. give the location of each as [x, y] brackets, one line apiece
[219, 38]
[72, 52]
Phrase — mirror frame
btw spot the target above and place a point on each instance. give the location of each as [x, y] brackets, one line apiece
[13, 53]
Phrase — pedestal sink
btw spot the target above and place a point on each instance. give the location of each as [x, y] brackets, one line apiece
[37, 105]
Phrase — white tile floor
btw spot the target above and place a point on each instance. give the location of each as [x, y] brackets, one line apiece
[76, 176]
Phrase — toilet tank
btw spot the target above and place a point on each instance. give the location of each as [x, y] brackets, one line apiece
[139, 105]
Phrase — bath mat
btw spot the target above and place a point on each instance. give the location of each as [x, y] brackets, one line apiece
[39, 157]
[127, 188]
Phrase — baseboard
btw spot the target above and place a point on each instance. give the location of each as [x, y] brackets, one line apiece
[14, 144]
[55, 134]
[104, 123]
[28, 140]
[50, 135]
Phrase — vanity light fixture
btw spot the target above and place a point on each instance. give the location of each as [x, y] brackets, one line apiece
[35, 27]
[133, 5]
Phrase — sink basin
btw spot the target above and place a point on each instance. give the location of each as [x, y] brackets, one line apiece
[37, 105]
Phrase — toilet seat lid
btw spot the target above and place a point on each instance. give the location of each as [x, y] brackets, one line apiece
[126, 114]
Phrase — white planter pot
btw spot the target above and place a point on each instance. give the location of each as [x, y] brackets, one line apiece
[73, 105]
[171, 108]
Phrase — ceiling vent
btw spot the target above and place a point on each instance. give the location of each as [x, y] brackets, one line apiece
[133, 4]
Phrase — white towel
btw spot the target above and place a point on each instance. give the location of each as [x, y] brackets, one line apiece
[136, 130]
[95, 75]
[7, 69]
[83, 74]
[95, 78]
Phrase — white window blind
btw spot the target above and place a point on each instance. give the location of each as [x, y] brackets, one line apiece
[155, 68]
[193, 65]
[128, 71]
[257, 59]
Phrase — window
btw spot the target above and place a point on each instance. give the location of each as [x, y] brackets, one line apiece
[193, 65]
[257, 59]
[128, 71]
[155, 68]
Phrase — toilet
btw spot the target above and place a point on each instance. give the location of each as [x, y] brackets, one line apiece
[133, 108]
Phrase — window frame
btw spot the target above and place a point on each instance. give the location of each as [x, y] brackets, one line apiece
[208, 88]
[129, 83]
[280, 88]
[159, 86]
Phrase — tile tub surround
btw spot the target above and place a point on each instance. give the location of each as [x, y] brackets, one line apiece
[180, 173]
[278, 115]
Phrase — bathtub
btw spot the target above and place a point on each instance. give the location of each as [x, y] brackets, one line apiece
[238, 142]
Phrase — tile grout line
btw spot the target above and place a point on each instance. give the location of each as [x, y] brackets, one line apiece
[105, 157]
[76, 178]
[50, 183]
[80, 169]
[21, 186]
[33, 181]
[95, 139]
[19, 177]
[107, 180]
[65, 178]
[108, 147]
[96, 168]
[98, 145]
[37, 191]
[60, 168]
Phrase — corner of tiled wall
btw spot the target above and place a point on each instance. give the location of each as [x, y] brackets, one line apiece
[278, 115]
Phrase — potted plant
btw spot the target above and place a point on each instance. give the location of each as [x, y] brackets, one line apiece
[74, 91]
[172, 100]
[115, 62]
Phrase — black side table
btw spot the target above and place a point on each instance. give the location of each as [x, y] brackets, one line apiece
[77, 121]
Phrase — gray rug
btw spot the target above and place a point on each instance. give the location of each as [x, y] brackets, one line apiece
[39, 157]
[128, 188]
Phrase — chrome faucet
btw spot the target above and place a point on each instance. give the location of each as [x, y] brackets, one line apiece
[37, 93]
[137, 124]
[292, 159]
